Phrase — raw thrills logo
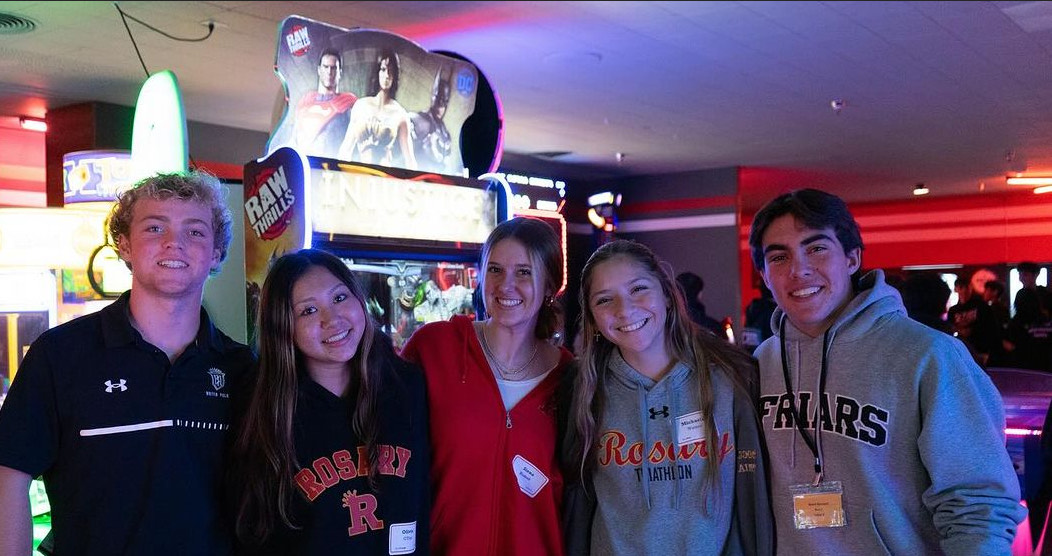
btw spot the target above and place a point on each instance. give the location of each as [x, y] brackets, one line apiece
[298, 40]
[269, 205]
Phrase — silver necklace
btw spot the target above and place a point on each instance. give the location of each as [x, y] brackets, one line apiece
[506, 372]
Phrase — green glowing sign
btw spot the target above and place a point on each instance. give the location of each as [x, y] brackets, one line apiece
[159, 132]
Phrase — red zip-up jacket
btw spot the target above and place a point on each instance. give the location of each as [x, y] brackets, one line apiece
[478, 451]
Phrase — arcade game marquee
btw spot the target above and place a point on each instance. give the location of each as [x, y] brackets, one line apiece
[371, 162]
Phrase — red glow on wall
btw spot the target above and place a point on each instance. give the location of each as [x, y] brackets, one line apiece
[22, 168]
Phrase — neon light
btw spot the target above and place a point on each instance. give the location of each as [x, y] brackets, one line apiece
[542, 214]
[595, 219]
[1010, 431]
[308, 186]
[1034, 180]
[604, 198]
[508, 196]
[159, 132]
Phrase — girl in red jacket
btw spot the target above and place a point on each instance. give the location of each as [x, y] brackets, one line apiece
[496, 482]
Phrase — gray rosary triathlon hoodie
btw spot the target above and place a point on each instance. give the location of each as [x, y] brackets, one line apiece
[910, 426]
[653, 496]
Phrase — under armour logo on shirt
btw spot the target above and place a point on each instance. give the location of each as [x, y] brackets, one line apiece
[663, 412]
[120, 386]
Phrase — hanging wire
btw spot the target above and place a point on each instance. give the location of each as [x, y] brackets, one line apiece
[124, 19]
[132, 37]
[211, 28]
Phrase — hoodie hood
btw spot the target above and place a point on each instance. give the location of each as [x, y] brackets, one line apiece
[874, 300]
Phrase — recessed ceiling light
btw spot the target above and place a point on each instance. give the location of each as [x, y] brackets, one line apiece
[920, 189]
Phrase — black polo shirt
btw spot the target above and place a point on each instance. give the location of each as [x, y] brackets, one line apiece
[129, 445]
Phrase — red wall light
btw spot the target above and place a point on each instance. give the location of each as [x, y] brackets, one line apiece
[33, 124]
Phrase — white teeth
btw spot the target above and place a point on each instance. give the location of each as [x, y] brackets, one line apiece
[634, 326]
[337, 337]
[509, 302]
[805, 292]
[172, 264]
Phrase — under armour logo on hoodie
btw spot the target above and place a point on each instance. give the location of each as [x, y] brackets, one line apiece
[120, 386]
[663, 412]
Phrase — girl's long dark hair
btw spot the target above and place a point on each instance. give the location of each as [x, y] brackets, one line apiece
[684, 340]
[263, 456]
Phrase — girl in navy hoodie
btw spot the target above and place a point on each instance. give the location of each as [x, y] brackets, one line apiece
[331, 455]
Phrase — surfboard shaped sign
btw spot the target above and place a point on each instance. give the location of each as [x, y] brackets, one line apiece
[159, 143]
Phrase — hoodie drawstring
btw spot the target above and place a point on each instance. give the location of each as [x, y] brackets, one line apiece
[642, 395]
[673, 419]
[785, 356]
[798, 414]
[823, 373]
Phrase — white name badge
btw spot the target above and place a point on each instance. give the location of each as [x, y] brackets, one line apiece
[690, 428]
[531, 479]
[403, 538]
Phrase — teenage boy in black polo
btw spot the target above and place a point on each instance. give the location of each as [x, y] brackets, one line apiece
[124, 412]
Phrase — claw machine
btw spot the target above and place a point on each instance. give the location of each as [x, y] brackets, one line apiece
[414, 240]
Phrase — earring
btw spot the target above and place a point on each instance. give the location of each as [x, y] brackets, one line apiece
[549, 300]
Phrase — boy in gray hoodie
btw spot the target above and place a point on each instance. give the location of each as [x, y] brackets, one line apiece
[884, 436]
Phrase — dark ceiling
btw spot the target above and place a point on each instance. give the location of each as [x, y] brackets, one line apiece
[862, 98]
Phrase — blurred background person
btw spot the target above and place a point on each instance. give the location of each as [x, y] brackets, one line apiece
[758, 319]
[1028, 272]
[693, 288]
[925, 295]
[972, 320]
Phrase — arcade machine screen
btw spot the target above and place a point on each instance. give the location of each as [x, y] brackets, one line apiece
[403, 295]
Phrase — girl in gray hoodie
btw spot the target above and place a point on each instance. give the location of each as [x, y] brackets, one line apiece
[662, 431]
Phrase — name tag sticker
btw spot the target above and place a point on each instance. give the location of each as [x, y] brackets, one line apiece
[531, 479]
[403, 538]
[690, 428]
[820, 505]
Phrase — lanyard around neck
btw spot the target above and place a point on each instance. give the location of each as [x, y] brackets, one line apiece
[814, 443]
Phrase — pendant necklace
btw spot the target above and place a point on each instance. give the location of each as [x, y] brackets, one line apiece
[507, 372]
